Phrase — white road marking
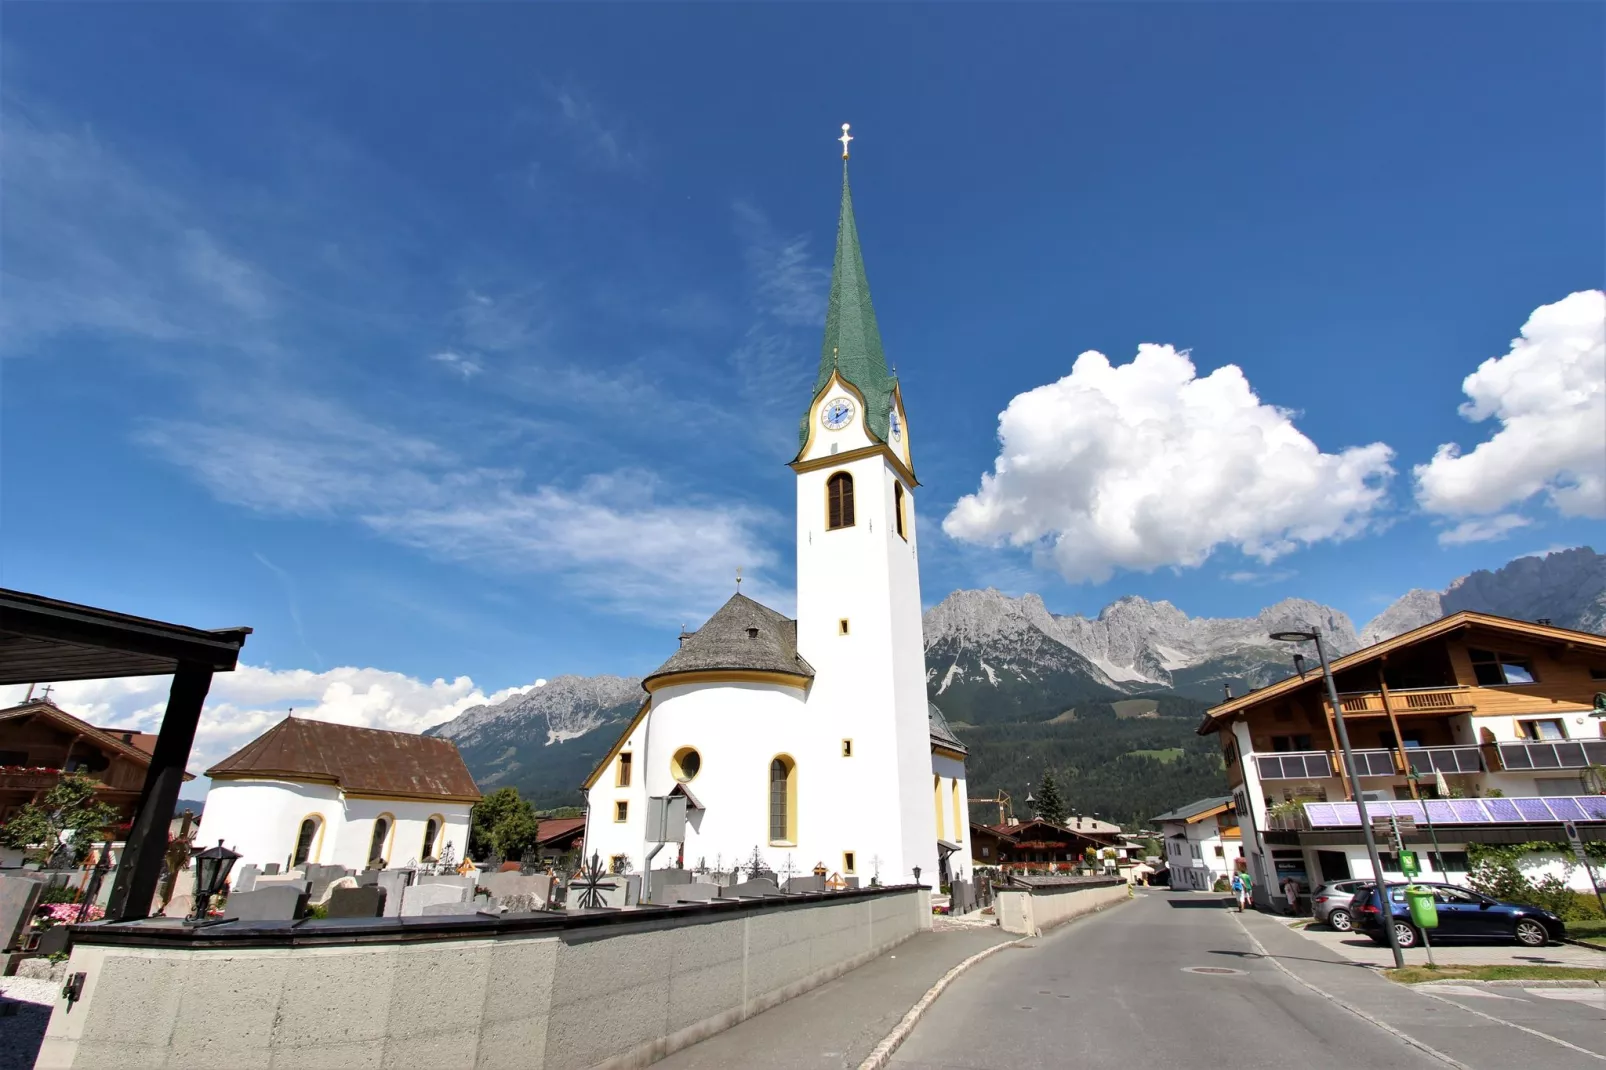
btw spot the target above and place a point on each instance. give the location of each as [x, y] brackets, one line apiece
[1591, 996]
[1469, 990]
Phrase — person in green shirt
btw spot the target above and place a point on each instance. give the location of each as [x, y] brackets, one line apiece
[1246, 890]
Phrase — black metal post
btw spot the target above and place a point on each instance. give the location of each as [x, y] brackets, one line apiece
[140, 868]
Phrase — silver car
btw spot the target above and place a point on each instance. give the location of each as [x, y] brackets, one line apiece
[1330, 903]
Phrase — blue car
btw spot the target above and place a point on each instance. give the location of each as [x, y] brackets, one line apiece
[1464, 915]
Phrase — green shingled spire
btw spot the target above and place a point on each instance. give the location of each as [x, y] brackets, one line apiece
[852, 342]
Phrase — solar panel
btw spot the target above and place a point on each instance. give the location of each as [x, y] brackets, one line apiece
[1497, 810]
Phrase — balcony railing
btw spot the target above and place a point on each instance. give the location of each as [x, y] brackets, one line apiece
[1560, 754]
[28, 778]
[1445, 759]
[1425, 700]
[1295, 765]
[1376, 762]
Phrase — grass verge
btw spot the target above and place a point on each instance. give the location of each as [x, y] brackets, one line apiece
[1592, 933]
[1416, 974]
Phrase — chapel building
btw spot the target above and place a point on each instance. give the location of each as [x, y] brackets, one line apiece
[810, 740]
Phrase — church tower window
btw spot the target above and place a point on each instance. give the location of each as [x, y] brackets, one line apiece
[897, 510]
[304, 841]
[783, 800]
[432, 831]
[376, 845]
[839, 502]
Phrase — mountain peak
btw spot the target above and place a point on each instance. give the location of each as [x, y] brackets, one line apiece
[1567, 586]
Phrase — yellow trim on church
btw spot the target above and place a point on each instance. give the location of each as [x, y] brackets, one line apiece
[727, 676]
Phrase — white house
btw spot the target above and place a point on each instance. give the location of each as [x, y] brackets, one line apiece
[1202, 842]
[809, 740]
[311, 791]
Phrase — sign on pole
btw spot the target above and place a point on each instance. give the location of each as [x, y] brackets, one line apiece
[1408, 864]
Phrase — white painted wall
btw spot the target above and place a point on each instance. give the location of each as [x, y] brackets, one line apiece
[1192, 860]
[262, 818]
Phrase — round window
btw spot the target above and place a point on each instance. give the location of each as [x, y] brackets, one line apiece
[686, 764]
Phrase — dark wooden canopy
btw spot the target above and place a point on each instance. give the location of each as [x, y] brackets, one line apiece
[42, 639]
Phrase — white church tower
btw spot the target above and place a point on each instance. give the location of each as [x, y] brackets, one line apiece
[809, 742]
[858, 572]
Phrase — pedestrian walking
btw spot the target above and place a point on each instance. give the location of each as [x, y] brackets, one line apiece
[1291, 893]
[1238, 890]
[1248, 897]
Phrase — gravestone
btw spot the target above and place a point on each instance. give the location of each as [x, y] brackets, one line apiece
[395, 882]
[806, 884]
[180, 905]
[503, 885]
[54, 940]
[274, 902]
[961, 897]
[292, 880]
[850, 882]
[447, 878]
[418, 896]
[338, 884]
[245, 878]
[690, 893]
[271, 869]
[661, 880]
[751, 890]
[18, 898]
[368, 877]
[364, 901]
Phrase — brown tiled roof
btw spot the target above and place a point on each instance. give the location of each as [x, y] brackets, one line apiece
[557, 828]
[367, 761]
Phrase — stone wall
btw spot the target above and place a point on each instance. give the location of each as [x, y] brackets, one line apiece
[617, 989]
[1033, 910]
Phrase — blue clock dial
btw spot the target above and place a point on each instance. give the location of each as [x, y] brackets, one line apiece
[896, 425]
[836, 414]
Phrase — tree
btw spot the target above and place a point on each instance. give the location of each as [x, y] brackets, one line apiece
[502, 823]
[1050, 807]
[69, 807]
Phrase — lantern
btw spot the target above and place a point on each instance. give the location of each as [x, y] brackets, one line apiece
[211, 876]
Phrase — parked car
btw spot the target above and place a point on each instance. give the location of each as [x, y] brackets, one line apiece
[1330, 903]
[1463, 915]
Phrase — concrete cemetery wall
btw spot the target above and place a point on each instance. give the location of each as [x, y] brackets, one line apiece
[1034, 911]
[579, 993]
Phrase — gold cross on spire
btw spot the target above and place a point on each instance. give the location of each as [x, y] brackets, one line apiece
[845, 138]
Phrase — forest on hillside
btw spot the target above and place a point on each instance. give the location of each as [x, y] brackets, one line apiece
[1123, 768]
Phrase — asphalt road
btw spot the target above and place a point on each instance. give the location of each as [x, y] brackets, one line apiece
[1121, 989]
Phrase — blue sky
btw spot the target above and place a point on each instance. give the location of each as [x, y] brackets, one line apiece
[469, 341]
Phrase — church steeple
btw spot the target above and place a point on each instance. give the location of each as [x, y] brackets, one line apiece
[852, 346]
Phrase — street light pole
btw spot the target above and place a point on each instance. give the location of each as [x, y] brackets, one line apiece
[1384, 906]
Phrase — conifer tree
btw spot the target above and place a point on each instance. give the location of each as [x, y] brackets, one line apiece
[1050, 807]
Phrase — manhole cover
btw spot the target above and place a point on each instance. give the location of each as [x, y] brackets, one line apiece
[1211, 969]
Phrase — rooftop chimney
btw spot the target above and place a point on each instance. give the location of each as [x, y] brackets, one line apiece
[1226, 689]
[684, 635]
[1542, 620]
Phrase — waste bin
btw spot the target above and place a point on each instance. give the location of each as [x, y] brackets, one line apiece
[1424, 914]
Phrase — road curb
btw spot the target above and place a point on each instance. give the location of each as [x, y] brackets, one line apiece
[878, 1058]
[883, 1052]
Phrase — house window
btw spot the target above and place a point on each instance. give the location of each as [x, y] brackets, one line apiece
[842, 626]
[1221, 852]
[621, 810]
[839, 501]
[376, 843]
[623, 779]
[432, 832]
[1597, 674]
[847, 748]
[783, 800]
[1494, 669]
[1229, 751]
[986, 852]
[897, 510]
[1545, 730]
[305, 841]
[847, 861]
[1291, 743]
[13, 757]
[686, 764]
[616, 864]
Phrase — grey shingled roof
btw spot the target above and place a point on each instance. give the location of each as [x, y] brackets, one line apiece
[940, 732]
[742, 635]
[1182, 813]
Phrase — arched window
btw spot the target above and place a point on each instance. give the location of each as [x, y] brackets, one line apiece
[432, 832]
[936, 801]
[306, 839]
[959, 821]
[839, 502]
[376, 845]
[783, 800]
[897, 510]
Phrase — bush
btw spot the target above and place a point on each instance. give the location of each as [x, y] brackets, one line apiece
[1222, 885]
[1497, 873]
[58, 894]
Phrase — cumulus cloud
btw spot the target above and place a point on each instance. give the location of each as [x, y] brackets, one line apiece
[1146, 464]
[1548, 395]
[247, 702]
[465, 366]
[1483, 529]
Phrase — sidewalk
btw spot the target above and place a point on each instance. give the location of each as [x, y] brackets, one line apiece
[1467, 1024]
[839, 1023]
[1359, 948]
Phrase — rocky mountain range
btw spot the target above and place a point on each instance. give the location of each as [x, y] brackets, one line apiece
[995, 661]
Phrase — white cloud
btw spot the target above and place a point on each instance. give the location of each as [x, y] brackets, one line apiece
[1145, 465]
[602, 140]
[609, 539]
[1548, 395]
[248, 701]
[1260, 579]
[467, 367]
[1483, 529]
[788, 284]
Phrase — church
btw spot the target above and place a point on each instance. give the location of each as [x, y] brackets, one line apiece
[809, 740]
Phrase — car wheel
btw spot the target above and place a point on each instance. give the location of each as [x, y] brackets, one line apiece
[1531, 934]
[1340, 920]
[1404, 934]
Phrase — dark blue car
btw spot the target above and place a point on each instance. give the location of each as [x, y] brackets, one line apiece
[1464, 915]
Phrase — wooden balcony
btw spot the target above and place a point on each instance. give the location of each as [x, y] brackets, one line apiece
[15, 778]
[1557, 754]
[1422, 700]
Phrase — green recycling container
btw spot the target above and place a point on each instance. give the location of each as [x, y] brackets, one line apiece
[1423, 912]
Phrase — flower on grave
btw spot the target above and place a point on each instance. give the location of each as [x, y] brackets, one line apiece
[67, 913]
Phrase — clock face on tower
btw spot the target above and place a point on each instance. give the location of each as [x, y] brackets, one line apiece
[836, 414]
[897, 425]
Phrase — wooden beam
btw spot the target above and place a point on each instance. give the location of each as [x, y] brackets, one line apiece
[141, 865]
[1336, 752]
[1399, 741]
